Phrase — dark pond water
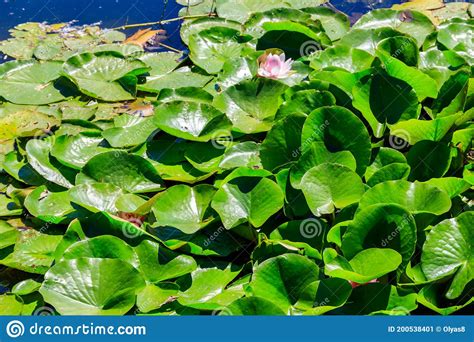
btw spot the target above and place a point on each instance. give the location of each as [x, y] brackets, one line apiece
[113, 13]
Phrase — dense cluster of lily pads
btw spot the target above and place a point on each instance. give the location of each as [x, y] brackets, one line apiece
[289, 164]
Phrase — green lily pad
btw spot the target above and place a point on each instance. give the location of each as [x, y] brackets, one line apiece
[153, 297]
[206, 288]
[400, 303]
[210, 48]
[423, 85]
[384, 156]
[102, 247]
[251, 105]
[187, 183]
[96, 196]
[92, 286]
[192, 120]
[329, 186]
[158, 263]
[374, 99]
[109, 225]
[106, 76]
[452, 95]
[367, 39]
[254, 26]
[340, 130]
[305, 101]
[364, 267]
[192, 94]
[31, 82]
[75, 151]
[308, 234]
[280, 279]
[76, 110]
[12, 305]
[451, 185]
[318, 297]
[179, 78]
[196, 7]
[185, 208]
[454, 36]
[242, 10]
[8, 234]
[26, 287]
[38, 157]
[295, 39]
[415, 197]
[192, 27]
[390, 172]
[161, 63]
[344, 57]
[335, 24]
[8, 207]
[124, 49]
[428, 159]
[168, 157]
[129, 130]
[22, 49]
[317, 155]
[247, 199]
[282, 145]
[448, 251]
[368, 299]
[437, 64]
[388, 164]
[418, 25]
[429, 296]
[245, 154]
[381, 226]
[213, 240]
[252, 306]
[52, 207]
[414, 130]
[129, 172]
[25, 122]
[33, 251]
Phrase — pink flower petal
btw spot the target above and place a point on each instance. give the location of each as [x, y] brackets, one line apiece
[274, 66]
[272, 62]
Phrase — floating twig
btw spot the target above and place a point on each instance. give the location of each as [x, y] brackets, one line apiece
[161, 22]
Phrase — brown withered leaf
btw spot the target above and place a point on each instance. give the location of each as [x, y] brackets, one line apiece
[139, 108]
[144, 37]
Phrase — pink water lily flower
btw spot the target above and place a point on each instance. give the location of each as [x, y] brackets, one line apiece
[274, 66]
[354, 284]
